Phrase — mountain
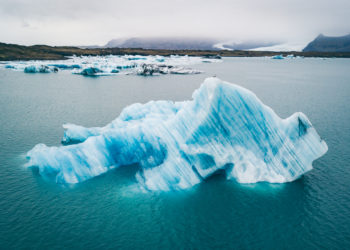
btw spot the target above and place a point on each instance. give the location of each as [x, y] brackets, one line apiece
[170, 43]
[324, 43]
[9, 52]
[181, 43]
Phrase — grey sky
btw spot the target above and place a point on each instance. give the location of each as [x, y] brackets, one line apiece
[85, 22]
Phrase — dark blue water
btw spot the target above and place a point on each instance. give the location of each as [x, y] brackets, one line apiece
[111, 212]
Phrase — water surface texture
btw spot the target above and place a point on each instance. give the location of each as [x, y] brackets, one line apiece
[110, 211]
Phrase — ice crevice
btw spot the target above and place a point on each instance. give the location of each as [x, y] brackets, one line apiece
[179, 144]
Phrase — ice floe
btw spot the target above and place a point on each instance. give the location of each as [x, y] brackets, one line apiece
[112, 65]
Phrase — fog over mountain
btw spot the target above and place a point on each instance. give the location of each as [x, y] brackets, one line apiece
[79, 22]
[164, 43]
[174, 43]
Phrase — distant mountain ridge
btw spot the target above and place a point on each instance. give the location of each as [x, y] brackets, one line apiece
[169, 43]
[184, 43]
[10, 52]
[324, 43]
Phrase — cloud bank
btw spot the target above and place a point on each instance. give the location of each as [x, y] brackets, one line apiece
[88, 22]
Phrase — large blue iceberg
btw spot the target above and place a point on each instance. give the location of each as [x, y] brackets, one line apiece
[178, 144]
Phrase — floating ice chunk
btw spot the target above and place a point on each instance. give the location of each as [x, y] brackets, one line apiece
[154, 69]
[30, 69]
[134, 58]
[177, 145]
[150, 69]
[39, 69]
[290, 56]
[212, 57]
[184, 71]
[109, 65]
[277, 57]
[91, 71]
[65, 66]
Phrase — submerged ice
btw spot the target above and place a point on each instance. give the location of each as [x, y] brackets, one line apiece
[178, 144]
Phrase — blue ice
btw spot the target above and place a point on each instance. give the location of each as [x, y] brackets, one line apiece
[278, 57]
[39, 69]
[179, 144]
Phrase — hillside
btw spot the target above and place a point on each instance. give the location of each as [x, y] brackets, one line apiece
[43, 52]
[329, 44]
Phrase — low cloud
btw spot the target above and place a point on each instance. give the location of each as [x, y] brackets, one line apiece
[95, 22]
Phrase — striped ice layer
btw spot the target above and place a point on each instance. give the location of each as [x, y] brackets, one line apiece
[178, 144]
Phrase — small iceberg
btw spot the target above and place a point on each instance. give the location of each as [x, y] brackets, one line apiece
[184, 71]
[91, 71]
[151, 69]
[135, 58]
[279, 57]
[212, 56]
[177, 145]
[154, 69]
[66, 66]
[40, 69]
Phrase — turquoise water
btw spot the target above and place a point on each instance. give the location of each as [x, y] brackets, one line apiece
[110, 211]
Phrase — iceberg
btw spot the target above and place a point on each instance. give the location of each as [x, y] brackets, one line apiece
[40, 69]
[212, 56]
[115, 71]
[90, 71]
[177, 145]
[290, 56]
[113, 65]
[183, 71]
[154, 69]
[65, 66]
[137, 58]
[151, 69]
[277, 57]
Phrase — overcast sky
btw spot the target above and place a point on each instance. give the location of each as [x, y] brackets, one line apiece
[85, 22]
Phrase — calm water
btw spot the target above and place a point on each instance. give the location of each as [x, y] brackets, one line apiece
[110, 212]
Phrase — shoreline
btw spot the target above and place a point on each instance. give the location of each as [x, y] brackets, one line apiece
[14, 52]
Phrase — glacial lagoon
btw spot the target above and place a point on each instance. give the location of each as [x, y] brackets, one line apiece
[113, 211]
